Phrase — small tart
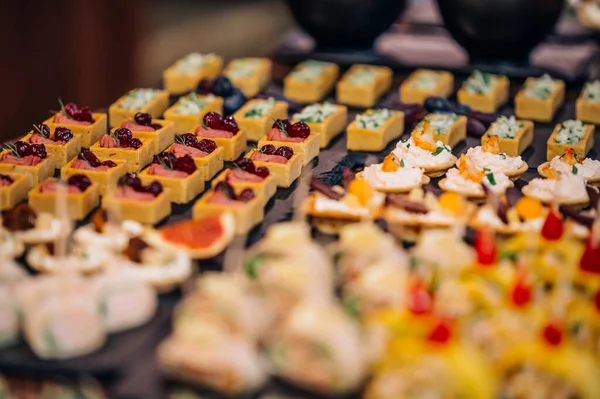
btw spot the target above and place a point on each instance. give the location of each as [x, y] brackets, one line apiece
[60, 153]
[185, 74]
[39, 172]
[161, 138]
[135, 159]
[232, 147]
[251, 75]
[150, 101]
[588, 104]
[467, 179]
[256, 117]
[571, 134]
[208, 165]
[284, 174]
[390, 177]
[424, 83]
[374, 129]
[450, 129]
[308, 149]
[565, 189]
[422, 151]
[87, 133]
[188, 111]
[540, 98]
[363, 85]
[114, 237]
[181, 190]
[15, 192]
[484, 92]
[513, 136]
[329, 120]
[490, 159]
[143, 211]
[310, 81]
[246, 214]
[487, 217]
[265, 188]
[82, 259]
[567, 163]
[78, 205]
[105, 179]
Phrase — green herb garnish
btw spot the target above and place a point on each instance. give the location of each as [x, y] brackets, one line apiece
[491, 179]
[438, 150]
[574, 170]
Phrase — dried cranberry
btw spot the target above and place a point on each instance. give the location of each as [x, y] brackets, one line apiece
[123, 135]
[553, 334]
[185, 164]
[42, 129]
[165, 158]
[134, 143]
[156, 126]
[206, 145]
[72, 110]
[130, 179]
[90, 157]
[85, 115]
[22, 148]
[63, 134]
[268, 149]
[213, 120]
[109, 163]
[226, 188]
[283, 124]
[285, 151]
[187, 139]
[82, 182]
[246, 195]
[300, 129]
[154, 188]
[262, 171]
[38, 150]
[204, 87]
[246, 165]
[143, 119]
[230, 125]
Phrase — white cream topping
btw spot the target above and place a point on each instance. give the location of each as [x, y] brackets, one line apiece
[589, 168]
[566, 188]
[316, 113]
[540, 88]
[497, 182]
[137, 99]
[425, 80]
[309, 70]
[348, 204]
[403, 178]
[501, 163]
[362, 77]
[192, 104]
[243, 67]
[487, 216]
[192, 63]
[82, 258]
[159, 266]
[506, 128]
[440, 123]
[480, 83]
[570, 132]
[260, 108]
[591, 91]
[113, 238]
[434, 216]
[414, 156]
[373, 120]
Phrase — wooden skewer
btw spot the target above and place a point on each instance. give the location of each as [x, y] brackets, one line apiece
[234, 255]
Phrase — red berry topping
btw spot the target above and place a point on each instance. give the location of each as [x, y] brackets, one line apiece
[90, 157]
[109, 163]
[230, 125]
[268, 149]
[38, 150]
[142, 118]
[213, 120]
[226, 188]
[21, 148]
[441, 333]
[42, 129]
[521, 293]
[485, 247]
[131, 180]
[206, 145]
[185, 164]
[590, 259]
[156, 126]
[187, 139]
[246, 195]
[82, 114]
[63, 134]
[204, 87]
[419, 300]
[154, 188]
[262, 171]
[72, 110]
[123, 136]
[85, 115]
[553, 226]
[284, 125]
[246, 165]
[285, 151]
[82, 182]
[6, 178]
[553, 335]
[134, 143]
[300, 129]
[167, 159]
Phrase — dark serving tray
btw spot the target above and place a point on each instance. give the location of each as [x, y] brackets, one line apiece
[129, 356]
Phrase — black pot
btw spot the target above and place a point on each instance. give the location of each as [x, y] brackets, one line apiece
[345, 23]
[492, 29]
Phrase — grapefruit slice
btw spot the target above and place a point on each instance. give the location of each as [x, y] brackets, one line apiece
[201, 238]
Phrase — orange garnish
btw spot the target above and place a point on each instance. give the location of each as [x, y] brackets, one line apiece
[549, 172]
[361, 190]
[452, 202]
[389, 164]
[468, 169]
[570, 157]
[491, 145]
[423, 138]
[529, 208]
